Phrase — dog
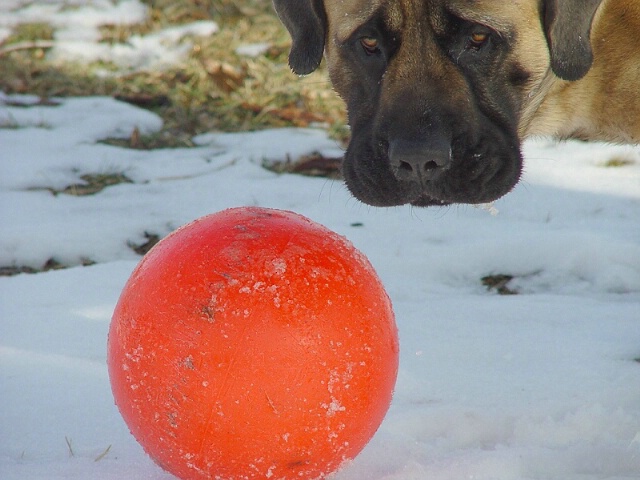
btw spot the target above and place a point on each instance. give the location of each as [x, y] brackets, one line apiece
[440, 94]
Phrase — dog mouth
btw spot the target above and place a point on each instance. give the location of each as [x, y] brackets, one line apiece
[473, 176]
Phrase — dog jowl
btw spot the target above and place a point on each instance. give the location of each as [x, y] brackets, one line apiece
[441, 93]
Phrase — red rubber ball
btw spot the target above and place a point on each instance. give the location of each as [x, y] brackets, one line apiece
[253, 344]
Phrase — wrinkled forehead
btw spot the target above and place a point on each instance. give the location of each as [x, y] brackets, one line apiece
[499, 14]
[345, 16]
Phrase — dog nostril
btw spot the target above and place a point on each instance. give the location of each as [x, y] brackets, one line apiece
[405, 167]
[417, 162]
[408, 167]
[431, 165]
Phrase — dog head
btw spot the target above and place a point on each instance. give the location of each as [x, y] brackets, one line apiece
[438, 92]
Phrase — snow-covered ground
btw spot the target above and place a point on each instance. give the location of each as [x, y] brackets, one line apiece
[76, 34]
[537, 385]
[541, 385]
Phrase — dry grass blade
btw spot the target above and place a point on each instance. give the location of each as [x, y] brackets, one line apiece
[103, 454]
[68, 441]
[14, 47]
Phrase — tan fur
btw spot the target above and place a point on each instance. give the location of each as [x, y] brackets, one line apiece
[603, 105]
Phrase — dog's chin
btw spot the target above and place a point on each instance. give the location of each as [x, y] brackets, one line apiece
[426, 200]
[390, 193]
[386, 191]
[371, 180]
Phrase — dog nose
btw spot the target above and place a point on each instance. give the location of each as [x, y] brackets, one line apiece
[416, 161]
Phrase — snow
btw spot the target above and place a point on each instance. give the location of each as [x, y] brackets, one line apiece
[539, 385]
[154, 51]
[77, 37]
[253, 49]
[72, 19]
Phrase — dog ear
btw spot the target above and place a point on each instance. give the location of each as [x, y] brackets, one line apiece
[567, 24]
[306, 22]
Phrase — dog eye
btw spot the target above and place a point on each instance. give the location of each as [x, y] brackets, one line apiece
[370, 45]
[477, 39]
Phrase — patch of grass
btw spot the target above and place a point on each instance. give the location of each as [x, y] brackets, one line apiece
[616, 162]
[314, 165]
[12, 124]
[31, 39]
[9, 124]
[499, 283]
[144, 247]
[93, 183]
[214, 89]
[161, 139]
[30, 32]
[51, 264]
